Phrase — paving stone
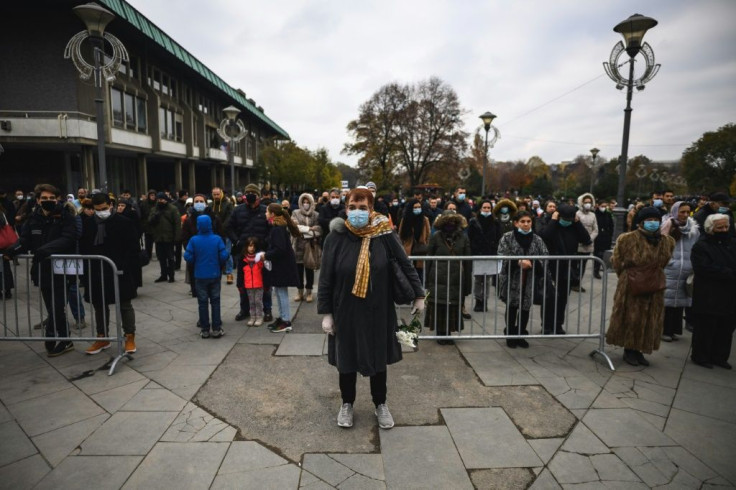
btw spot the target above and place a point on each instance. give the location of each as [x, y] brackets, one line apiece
[699, 398]
[545, 448]
[502, 478]
[74, 472]
[499, 369]
[572, 468]
[657, 421]
[301, 344]
[640, 464]
[154, 362]
[326, 468]
[194, 425]
[40, 415]
[15, 444]
[183, 380]
[100, 381]
[128, 433]
[24, 474]
[624, 427]
[17, 358]
[583, 441]
[574, 392]
[361, 482]
[610, 468]
[277, 477]
[37, 382]
[545, 481]
[689, 463]
[4, 414]
[261, 335]
[225, 435]
[422, 457]
[154, 401]
[607, 400]
[486, 438]
[243, 456]
[179, 465]
[370, 465]
[57, 444]
[112, 400]
[307, 480]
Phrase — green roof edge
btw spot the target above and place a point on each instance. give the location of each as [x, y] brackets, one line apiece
[141, 23]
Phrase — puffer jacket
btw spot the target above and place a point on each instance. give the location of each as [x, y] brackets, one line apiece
[680, 266]
[505, 220]
[206, 251]
[307, 219]
[589, 221]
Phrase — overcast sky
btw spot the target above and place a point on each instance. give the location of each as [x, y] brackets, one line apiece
[536, 64]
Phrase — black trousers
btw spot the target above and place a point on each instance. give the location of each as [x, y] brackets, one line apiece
[378, 387]
[165, 254]
[553, 309]
[512, 325]
[148, 241]
[177, 255]
[55, 301]
[303, 271]
[672, 320]
[712, 338]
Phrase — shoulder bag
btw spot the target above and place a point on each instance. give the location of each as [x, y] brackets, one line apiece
[401, 289]
[312, 254]
[646, 279]
[8, 236]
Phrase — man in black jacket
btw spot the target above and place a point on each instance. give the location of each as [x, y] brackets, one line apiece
[330, 211]
[51, 229]
[605, 235]
[248, 220]
[561, 235]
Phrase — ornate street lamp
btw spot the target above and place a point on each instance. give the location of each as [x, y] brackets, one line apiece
[231, 130]
[633, 30]
[594, 152]
[96, 18]
[487, 118]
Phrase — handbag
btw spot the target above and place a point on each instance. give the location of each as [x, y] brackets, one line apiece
[312, 255]
[401, 289]
[646, 279]
[8, 236]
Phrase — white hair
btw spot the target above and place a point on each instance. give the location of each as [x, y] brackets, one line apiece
[710, 222]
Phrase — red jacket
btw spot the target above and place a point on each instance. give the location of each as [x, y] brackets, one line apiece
[252, 273]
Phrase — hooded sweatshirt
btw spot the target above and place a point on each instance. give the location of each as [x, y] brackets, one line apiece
[206, 251]
[589, 221]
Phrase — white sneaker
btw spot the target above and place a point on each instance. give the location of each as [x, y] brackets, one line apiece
[251, 322]
[258, 322]
[385, 420]
[345, 416]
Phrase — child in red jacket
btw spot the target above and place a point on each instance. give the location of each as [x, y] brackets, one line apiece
[253, 281]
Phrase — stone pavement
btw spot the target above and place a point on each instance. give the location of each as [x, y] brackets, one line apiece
[256, 410]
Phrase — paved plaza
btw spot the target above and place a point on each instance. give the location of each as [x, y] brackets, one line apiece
[255, 409]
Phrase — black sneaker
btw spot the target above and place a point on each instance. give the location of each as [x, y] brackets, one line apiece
[49, 344]
[522, 343]
[274, 324]
[205, 334]
[171, 279]
[267, 316]
[241, 316]
[216, 334]
[281, 327]
[511, 343]
[61, 348]
[161, 279]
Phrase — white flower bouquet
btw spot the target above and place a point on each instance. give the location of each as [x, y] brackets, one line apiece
[408, 333]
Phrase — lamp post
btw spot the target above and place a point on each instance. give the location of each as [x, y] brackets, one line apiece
[487, 118]
[96, 18]
[231, 130]
[633, 30]
[594, 152]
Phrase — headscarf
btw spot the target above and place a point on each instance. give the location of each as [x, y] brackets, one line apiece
[378, 225]
[671, 226]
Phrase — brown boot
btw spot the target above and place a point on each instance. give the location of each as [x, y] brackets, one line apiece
[309, 297]
[130, 343]
[299, 295]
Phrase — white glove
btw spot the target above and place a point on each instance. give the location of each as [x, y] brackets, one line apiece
[259, 256]
[328, 324]
[303, 228]
[417, 306]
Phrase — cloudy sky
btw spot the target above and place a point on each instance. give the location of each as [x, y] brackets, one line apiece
[536, 64]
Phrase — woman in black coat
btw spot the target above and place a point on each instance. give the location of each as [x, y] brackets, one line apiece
[355, 298]
[283, 272]
[714, 289]
[484, 233]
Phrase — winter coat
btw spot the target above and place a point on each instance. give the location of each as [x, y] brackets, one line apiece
[308, 219]
[165, 223]
[484, 241]
[247, 221]
[252, 273]
[637, 321]
[589, 221]
[449, 289]
[605, 231]
[44, 235]
[189, 225]
[463, 208]
[326, 214]
[508, 224]
[206, 251]
[365, 328]
[679, 268]
[561, 240]
[223, 209]
[120, 244]
[146, 208]
[283, 271]
[509, 246]
[714, 288]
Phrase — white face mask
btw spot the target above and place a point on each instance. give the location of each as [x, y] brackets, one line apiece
[305, 206]
[103, 214]
[602, 209]
[587, 206]
[19, 197]
[335, 201]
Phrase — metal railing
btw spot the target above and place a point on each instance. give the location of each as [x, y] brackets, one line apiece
[582, 314]
[56, 285]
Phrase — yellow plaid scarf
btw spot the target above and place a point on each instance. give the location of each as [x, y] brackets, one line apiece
[379, 225]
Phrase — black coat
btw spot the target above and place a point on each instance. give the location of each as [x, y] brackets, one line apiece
[605, 231]
[247, 221]
[283, 261]
[122, 247]
[326, 214]
[484, 241]
[714, 286]
[561, 240]
[365, 338]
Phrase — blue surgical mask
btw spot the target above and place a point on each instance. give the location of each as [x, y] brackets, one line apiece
[504, 210]
[657, 203]
[358, 218]
[524, 232]
[485, 214]
[651, 225]
[461, 197]
[199, 206]
[565, 223]
[417, 210]
[722, 210]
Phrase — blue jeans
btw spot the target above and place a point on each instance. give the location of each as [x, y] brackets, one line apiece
[229, 263]
[282, 296]
[209, 289]
[75, 299]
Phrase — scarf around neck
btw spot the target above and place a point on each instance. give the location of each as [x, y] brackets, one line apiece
[378, 225]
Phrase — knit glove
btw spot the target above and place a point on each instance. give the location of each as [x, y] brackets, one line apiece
[417, 306]
[328, 324]
[259, 256]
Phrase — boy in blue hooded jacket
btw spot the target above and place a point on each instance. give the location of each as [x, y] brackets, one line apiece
[207, 253]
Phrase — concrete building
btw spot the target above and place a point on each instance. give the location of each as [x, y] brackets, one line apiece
[161, 112]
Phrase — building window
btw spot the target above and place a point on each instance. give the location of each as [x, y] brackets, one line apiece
[116, 101]
[141, 113]
[195, 131]
[178, 127]
[129, 111]
[172, 124]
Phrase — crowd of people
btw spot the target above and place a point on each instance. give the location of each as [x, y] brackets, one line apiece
[264, 246]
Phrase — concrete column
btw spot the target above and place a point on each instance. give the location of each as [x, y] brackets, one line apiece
[68, 174]
[142, 175]
[89, 167]
[192, 181]
[213, 176]
[178, 177]
[221, 177]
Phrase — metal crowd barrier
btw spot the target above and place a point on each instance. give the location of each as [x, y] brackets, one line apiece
[25, 316]
[580, 319]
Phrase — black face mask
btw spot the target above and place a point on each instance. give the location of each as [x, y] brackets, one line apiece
[48, 205]
[448, 228]
[721, 235]
[161, 205]
[250, 198]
